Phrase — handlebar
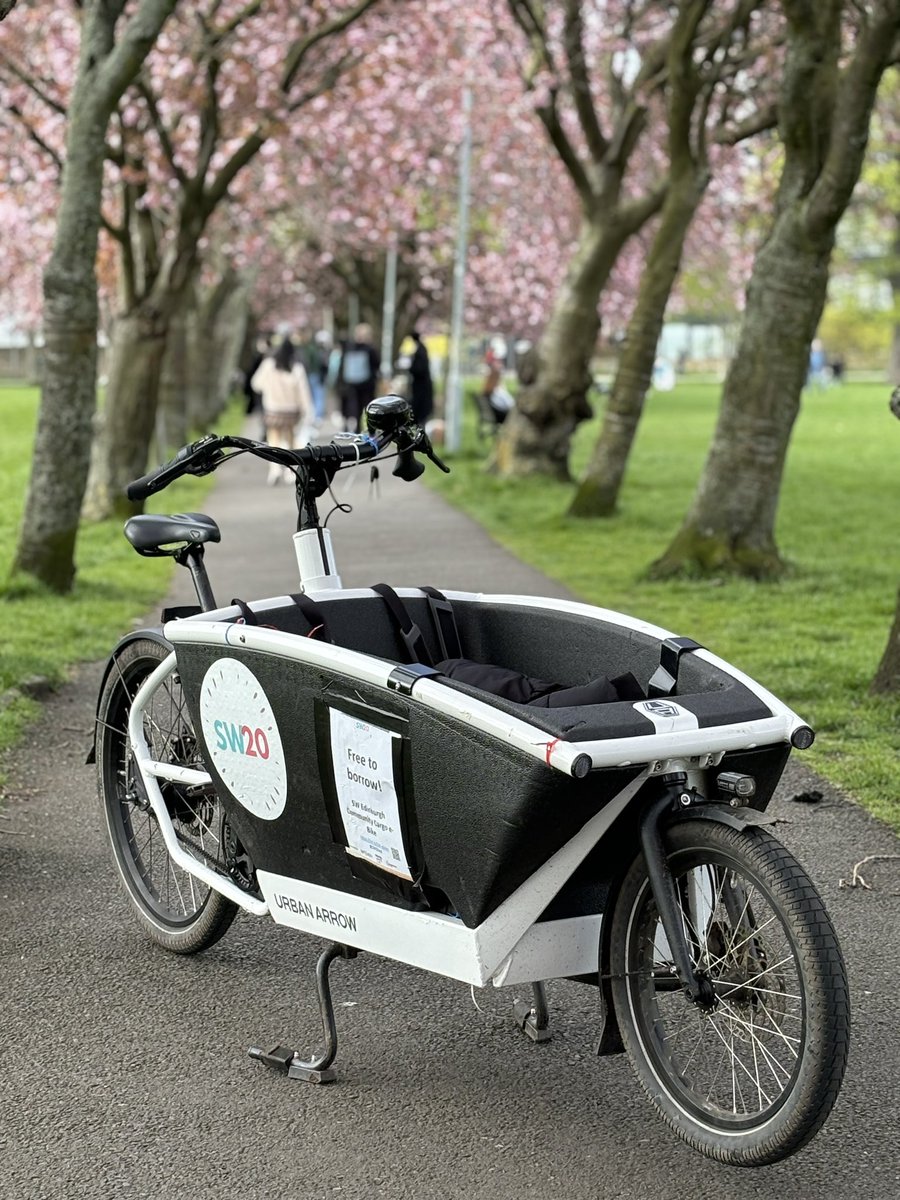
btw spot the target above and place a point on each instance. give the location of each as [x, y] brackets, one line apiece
[207, 453]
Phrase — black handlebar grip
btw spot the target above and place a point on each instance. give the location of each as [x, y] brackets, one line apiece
[140, 489]
[155, 481]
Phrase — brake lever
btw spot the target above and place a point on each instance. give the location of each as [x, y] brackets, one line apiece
[424, 446]
[207, 464]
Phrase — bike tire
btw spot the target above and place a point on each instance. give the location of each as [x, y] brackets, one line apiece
[176, 910]
[781, 1019]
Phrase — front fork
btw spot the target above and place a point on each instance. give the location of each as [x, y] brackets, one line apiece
[676, 797]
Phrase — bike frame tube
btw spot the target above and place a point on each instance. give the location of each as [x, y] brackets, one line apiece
[151, 771]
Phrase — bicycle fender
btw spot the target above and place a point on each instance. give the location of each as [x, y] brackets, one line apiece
[735, 818]
[150, 635]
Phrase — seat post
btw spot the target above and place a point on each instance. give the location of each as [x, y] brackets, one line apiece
[192, 558]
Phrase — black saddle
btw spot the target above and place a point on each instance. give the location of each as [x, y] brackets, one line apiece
[149, 532]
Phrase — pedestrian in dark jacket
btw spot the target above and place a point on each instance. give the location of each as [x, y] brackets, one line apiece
[358, 376]
[421, 387]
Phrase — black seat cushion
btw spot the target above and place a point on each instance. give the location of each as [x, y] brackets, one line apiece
[152, 531]
[539, 693]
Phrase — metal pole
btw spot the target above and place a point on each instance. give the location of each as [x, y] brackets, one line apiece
[453, 404]
[388, 312]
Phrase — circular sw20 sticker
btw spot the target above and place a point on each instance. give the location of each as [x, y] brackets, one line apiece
[242, 737]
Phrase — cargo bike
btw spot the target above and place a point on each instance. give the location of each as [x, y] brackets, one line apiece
[500, 789]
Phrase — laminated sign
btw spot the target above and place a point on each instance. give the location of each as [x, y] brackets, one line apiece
[363, 758]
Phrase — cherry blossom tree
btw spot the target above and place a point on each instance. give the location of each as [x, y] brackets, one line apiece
[601, 75]
[709, 79]
[382, 170]
[113, 46]
[218, 86]
[836, 55]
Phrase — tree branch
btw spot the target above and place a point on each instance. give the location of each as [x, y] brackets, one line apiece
[579, 81]
[528, 19]
[635, 213]
[249, 10]
[127, 56]
[549, 115]
[684, 80]
[302, 46]
[217, 190]
[858, 86]
[209, 124]
[165, 140]
[54, 155]
[116, 231]
[6, 7]
[761, 121]
[32, 85]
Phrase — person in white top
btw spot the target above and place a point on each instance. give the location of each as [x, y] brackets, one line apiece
[286, 400]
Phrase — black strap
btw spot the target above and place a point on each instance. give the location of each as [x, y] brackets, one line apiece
[318, 626]
[444, 623]
[665, 677]
[406, 627]
[248, 616]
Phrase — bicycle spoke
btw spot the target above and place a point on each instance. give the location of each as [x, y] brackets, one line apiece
[169, 737]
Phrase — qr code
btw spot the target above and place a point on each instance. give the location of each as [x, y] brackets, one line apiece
[395, 853]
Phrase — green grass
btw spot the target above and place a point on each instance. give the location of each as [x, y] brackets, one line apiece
[816, 637]
[45, 634]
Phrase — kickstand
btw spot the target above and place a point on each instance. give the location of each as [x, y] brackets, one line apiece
[314, 1070]
[534, 1018]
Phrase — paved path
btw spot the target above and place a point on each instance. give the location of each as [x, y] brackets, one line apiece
[123, 1070]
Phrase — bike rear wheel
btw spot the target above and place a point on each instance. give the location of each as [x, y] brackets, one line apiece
[750, 1080]
[175, 909]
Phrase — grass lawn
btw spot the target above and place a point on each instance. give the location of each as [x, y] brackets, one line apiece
[45, 634]
[816, 637]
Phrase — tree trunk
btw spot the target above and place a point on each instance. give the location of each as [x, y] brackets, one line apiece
[173, 424]
[215, 340]
[128, 421]
[887, 677]
[122, 445]
[63, 441]
[598, 494]
[824, 114]
[62, 446]
[536, 436]
[731, 523]
[894, 277]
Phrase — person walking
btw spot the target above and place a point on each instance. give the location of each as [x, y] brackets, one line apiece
[314, 355]
[286, 401]
[262, 347]
[358, 375]
[421, 387]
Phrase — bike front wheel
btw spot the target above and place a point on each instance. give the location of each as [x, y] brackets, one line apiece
[749, 1079]
[175, 909]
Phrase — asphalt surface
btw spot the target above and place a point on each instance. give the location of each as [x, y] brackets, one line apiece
[123, 1069]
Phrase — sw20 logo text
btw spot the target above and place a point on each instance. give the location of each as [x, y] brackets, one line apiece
[241, 739]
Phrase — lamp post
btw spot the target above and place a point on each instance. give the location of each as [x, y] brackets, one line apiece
[453, 403]
[389, 311]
